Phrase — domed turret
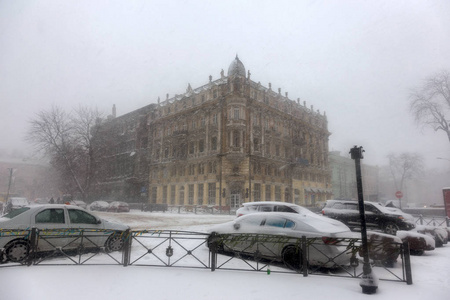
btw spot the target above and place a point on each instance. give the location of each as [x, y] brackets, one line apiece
[236, 68]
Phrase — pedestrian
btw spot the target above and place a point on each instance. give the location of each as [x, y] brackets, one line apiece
[52, 201]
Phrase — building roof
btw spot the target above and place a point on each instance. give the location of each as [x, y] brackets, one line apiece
[236, 68]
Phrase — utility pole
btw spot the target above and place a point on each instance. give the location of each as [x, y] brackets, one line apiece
[369, 282]
[9, 186]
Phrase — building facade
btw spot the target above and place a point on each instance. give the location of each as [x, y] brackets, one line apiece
[343, 178]
[234, 140]
[229, 141]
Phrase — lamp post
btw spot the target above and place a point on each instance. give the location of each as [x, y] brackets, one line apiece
[368, 282]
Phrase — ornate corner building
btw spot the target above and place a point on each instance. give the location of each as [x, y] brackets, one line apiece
[224, 143]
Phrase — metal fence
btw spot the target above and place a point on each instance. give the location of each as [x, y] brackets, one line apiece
[168, 248]
[433, 221]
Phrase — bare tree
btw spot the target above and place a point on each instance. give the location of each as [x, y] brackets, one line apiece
[67, 141]
[431, 104]
[403, 167]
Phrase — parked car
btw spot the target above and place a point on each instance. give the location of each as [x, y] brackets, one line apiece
[439, 234]
[388, 219]
[99, 206]
[56, 216]
[118, 206]
[289, 227]
[418, 242]
[79, 203]
[269, 206]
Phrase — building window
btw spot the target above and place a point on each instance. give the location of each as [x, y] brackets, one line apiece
[181, 196]
[277, 150]
[277, 193]
[215, 93]
[215, 119]
[164, 194]
[286, 195]
[297, 196]
[154, 194]
[201, 169]
[212, 193]
[214, 143]
[191, 194]
[172, 194]
[201, 146]
[268, 193]
[191, 170]
[191, 148]
[203, 121]
[200, 194]
[236, 138]
[256, 144]
[257, 192]
[203, 98]
[236, 113]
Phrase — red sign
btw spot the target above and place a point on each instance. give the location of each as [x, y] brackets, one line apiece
[399, 195]
[447, 201]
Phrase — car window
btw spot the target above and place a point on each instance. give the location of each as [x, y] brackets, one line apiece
[289, 224]
[370, 208]
[78, 216]
[52, 215]
[284, 208]
[16, 212]
[338, 205]
[275, 222]
[352, 206]
[265, 208]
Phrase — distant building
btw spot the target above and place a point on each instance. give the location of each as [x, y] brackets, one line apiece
[343, 178]
[30, 179]
[224, 143]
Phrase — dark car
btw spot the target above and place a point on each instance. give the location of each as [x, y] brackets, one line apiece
[118, 206]
[377, 216]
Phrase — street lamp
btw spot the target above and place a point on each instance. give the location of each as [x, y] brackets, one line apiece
[368, 282]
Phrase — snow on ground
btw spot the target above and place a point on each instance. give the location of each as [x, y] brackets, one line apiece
[431, 276]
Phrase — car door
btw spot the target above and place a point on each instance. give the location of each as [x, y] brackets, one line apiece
[279, 228]
[93, 236]
[373, 215]
[51, 218]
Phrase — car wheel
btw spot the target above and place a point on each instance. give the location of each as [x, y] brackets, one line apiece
[17, 251]
[115, 242]
[391, 228]
[292, 257]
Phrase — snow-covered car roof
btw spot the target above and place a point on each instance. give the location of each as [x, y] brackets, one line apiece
[312, 224]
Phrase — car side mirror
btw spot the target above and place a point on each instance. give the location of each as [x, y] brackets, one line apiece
[237, 226]
[99, 221]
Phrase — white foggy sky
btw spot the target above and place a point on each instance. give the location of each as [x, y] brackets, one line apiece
[356, 60]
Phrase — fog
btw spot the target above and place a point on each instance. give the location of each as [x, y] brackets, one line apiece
[355, 60]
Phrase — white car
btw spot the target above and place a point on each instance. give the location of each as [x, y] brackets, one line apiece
[69, 218]
[269, 206]
[238, 237]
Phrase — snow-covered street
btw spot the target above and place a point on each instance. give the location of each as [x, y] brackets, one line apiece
[431, 276]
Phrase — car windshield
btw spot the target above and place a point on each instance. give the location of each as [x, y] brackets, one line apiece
[16, 212]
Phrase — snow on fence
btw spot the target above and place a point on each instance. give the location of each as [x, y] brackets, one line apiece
[168, 248]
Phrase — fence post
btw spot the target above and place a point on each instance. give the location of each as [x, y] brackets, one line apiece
[421, 219]
[33, 246]
[126, 247]
[304, 257]
[212, 244]
[407, 262]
